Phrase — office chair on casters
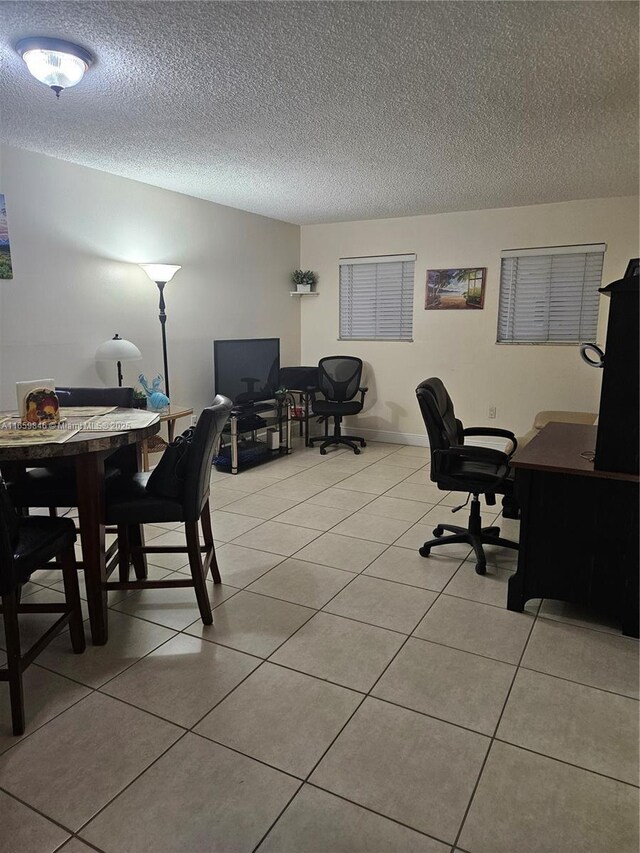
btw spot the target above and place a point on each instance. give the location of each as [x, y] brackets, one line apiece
[339, 380]
[463, 468]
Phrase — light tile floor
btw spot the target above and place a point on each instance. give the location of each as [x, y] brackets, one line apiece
[350, 697]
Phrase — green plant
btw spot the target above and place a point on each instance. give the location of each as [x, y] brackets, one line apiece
[139, 394]
[304, 277]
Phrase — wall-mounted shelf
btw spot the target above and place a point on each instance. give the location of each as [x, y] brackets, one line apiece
[303, 293]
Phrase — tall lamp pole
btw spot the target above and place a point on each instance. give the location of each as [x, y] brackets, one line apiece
[162, 275]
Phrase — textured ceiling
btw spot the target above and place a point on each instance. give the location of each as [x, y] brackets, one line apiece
[317, 111]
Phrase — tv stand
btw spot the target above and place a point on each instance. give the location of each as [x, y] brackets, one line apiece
[251, 408]
[244, 438]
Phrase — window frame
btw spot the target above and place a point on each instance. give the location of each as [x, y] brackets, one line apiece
[547, 251]
[404, 257]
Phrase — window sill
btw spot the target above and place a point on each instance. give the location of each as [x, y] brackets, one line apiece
[381, 340]
[539, 343]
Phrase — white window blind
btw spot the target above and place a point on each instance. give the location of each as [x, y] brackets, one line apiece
[550, 295]
[376, 298]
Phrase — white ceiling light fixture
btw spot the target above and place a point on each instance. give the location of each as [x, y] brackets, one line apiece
[56, 63]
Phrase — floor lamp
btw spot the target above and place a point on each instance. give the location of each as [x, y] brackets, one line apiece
[162, 274]
[118, 350]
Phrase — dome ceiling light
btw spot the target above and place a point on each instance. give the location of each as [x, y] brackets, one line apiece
[56, 63]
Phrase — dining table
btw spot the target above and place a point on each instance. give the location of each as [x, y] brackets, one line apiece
[88, 436]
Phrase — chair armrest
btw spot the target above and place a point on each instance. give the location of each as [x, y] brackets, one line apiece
[473, 453]
[502, 433]
[441, 460]
[363, 390]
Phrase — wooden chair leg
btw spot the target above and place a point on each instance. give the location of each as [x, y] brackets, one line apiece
[14, 662]
[72, 595]
[195, 564]
[124, 553]
[207, 532]
[139, 560]
[205, 520]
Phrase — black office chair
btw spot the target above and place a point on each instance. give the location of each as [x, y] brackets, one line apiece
[339, 380]
[132, 503]
[27, 544]
[463, 468]
[52, 483]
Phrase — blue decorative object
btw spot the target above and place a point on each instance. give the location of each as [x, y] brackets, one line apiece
[158, 401]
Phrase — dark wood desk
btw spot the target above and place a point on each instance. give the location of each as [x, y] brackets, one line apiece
[579, 528]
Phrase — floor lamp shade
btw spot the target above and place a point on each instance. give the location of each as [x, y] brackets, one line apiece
[118, 349]
[162, 274]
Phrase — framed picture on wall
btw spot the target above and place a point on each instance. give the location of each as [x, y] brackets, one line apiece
[455, 288]
[6, 270]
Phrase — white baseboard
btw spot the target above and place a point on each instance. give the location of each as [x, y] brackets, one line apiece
[414, 439]
[417, 439]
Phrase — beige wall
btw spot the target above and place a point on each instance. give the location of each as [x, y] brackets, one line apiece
[76, 235]
[459, 346]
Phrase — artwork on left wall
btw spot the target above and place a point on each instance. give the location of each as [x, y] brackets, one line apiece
[455, 288]
[6, 270]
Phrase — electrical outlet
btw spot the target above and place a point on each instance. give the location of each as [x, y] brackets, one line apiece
[492, 411]
[194, 420]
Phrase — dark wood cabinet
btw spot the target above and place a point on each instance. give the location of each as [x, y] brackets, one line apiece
[579, 528]
[618, 439]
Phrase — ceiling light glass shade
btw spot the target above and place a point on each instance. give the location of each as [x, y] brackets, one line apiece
[160, 272]
[58, 64]
[117, 349]
[55, 69]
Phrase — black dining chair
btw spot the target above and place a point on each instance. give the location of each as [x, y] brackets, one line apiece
[134, 501]
[459, 467]
[27, 544]
[339, 379]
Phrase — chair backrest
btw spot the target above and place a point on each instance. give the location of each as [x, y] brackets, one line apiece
[122, 397]
[8, 532]
[339, 377]
[443, 428]
[204, 443]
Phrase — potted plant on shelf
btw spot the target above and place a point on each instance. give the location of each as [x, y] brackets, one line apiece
[139, 399]
[304, 280]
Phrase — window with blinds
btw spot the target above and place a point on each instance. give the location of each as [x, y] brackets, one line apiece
[550, 295]
[376, 298]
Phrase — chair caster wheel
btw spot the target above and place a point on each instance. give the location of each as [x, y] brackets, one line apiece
[438, 531]
[481, 568]
[424, 551]
[363, 444]
[323, 451]
[356, 450]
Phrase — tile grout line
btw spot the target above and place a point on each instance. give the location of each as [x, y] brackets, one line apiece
[131, 782]
[305, 781]
[493, 736]
[351, 716]
[364, 696]
[37, 811]
[187, 731]
[368, 694]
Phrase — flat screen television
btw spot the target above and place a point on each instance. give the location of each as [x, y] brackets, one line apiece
[246, 370]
